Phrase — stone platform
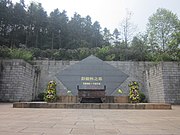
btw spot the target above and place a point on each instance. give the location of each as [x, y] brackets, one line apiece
[91, 105]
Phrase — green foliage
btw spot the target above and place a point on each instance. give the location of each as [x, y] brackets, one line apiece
[5, 52]
[164, 56]
[139, 49]
[41, 96]
[142, 97]
[83, 53]
[110, 57]
[102, 52]
[36, 52]
[56, 36]
[30, 25]
[50, 94]
[17, 53]
[21, 54]
[116, 37]
[107, 53]
[162, 25]
[107, 36]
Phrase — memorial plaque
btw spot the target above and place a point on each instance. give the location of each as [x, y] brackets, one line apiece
[92, 74]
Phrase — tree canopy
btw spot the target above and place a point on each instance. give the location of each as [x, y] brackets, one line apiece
[162, 30]
[32, 27]
[56, 36]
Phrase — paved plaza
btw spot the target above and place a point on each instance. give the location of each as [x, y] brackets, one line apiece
[28, 121]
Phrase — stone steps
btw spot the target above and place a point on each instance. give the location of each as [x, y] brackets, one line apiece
[91, 105]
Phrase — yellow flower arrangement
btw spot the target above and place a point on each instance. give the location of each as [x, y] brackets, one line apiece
[50, 95]
[134, 92]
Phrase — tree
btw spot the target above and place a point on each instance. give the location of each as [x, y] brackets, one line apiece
[36, 25]
[6, 10]
[57, 27]
[174, 45]
[139, 49]
[107, 36]
[87, 33]
[116, 37]
[75, 26]
[127, 29]
[31, 27]
[160, 28]
[96, 36]
[82, 33]
[63, 32]
[18, 24]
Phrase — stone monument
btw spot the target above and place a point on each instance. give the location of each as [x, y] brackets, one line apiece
[92, 74]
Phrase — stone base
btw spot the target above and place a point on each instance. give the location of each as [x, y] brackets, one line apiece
[108, 99]
[91, 105]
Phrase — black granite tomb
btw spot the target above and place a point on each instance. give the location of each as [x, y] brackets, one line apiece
[92, 74]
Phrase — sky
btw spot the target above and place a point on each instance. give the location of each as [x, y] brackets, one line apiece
[110, 13]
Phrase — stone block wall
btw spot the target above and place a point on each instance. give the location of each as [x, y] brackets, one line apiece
[154, 83]
[20, 81]
[163, 82]
[49, 70]
[135, 70]
[171, 82]
[16, 81]
[159, 81]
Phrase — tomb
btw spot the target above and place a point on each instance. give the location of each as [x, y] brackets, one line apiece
[91, 79]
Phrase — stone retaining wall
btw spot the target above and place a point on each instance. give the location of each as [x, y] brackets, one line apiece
[135, 70]
[171, 82]
[159, 81]
[20, 81]
[163, 82]
[16, 81]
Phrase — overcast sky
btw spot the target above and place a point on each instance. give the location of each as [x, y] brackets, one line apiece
[109, 13]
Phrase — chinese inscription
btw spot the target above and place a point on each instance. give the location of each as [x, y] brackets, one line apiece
[91, 80]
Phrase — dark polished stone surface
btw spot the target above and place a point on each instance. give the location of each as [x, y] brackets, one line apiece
[92, 73]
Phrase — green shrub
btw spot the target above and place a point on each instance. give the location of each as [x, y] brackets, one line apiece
[21, 54]
[41, 96]
[4, 52]
[142, 97]
[15, 53]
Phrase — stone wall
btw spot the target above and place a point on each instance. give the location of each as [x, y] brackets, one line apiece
[159, 81]
[163, 82]
[154, 83]
[135, 70]
[16, 81]
[20, 81]
[49, 70]
[171, 81]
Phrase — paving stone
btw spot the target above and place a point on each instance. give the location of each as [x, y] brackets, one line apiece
[35, 121]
